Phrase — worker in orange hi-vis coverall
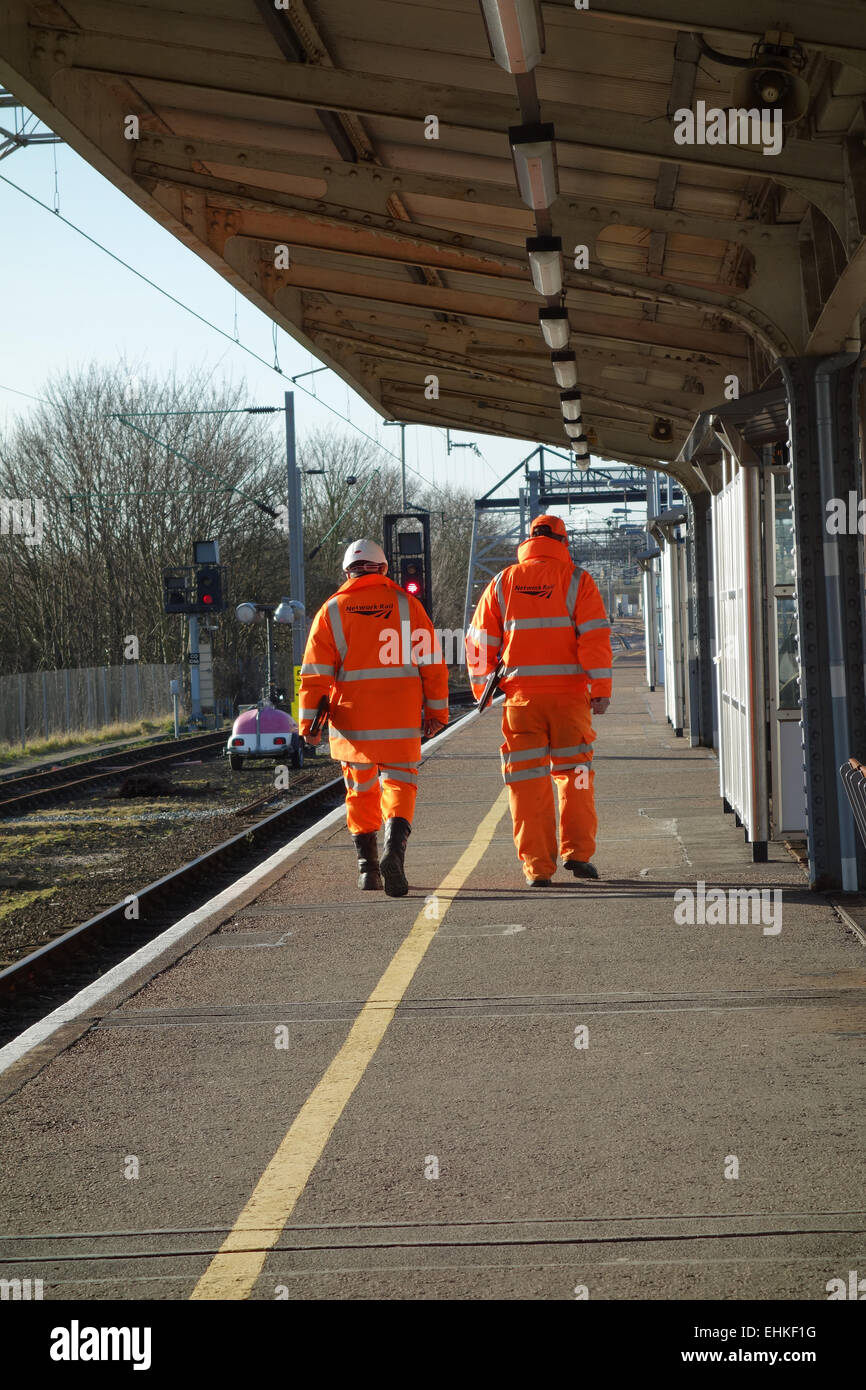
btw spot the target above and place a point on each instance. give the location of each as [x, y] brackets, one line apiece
[373, 655]
[545, 620]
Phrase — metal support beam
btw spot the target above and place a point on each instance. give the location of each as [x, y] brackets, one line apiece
[700, 656]
[824, 408]
[830, 28]
[296, 534]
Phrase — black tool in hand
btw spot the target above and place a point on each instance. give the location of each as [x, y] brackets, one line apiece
[321, 715]
[492, 686]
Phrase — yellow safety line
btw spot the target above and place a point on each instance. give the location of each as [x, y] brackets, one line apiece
[233, 1272]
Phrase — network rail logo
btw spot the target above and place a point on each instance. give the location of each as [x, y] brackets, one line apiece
[22, 516]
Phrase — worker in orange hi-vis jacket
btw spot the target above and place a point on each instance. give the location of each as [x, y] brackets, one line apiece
[373, 655]
[544, 619]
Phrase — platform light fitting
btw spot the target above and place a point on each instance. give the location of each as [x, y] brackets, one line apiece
[545, 262]
[555, 327]
[574, 430]
[565, 369]
[288, 610]
[515, 32]
[582, 459]
[534, 163]
[249, 613]
[571, 407]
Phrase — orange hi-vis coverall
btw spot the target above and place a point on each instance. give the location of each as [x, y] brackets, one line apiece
[545, 618]
[373, 654]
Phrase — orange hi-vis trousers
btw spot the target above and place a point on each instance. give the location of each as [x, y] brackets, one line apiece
[367, 803]
[550, 735]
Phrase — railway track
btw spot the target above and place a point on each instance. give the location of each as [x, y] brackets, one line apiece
[24, 793]
[48, 977]
[56, 971]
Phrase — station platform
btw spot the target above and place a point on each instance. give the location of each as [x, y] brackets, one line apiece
[353, 1097]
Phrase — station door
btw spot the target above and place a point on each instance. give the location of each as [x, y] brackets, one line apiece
[737, 562]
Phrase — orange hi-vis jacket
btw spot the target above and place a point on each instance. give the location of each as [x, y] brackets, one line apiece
[545, 618]
[373, 654]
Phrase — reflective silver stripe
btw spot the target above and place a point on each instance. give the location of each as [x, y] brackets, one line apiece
[593, 624]
[570, 752]
[370, 735]
[375, 673]
[412, 767]
[572, 767]
[403, 608]
[600, 673]
[362, 786]
[571, 594]
[315, 669]
[394, 775]
[307, 713]
[436, 704]
[477, 634]
[528, 774]
[337, 628]
[359, 764]
[523, 755]
[512, 671]
[497, 588]
[523, 624]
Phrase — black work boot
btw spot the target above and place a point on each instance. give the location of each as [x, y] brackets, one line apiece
[397, 832]
[580, 869]
[368, 860]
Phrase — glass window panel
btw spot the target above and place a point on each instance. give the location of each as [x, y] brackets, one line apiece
[789, 666]
[784, 532]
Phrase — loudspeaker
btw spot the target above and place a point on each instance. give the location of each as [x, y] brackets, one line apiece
[662, 431]
[772, 85]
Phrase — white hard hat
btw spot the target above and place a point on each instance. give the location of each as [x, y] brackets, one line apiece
[364, 551]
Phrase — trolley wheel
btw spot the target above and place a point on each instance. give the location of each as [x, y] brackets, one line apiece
[236, 763]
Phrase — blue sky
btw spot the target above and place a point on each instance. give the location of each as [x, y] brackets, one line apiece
[65, 302]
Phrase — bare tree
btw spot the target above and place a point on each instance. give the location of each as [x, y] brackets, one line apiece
[132, 469]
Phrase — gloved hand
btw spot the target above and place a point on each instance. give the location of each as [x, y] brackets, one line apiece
[432, 727]
[312, 739]
[600, 704]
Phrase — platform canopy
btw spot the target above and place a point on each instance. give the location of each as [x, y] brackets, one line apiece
[370, 139]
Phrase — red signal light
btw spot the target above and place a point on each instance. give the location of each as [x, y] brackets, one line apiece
[207, 598]
[412, 587]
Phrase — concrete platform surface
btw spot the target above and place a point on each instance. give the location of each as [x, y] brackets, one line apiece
[548, 1091]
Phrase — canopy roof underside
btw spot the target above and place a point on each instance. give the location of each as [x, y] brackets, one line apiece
[307, 127]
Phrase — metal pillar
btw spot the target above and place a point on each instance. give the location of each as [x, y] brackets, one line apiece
[533, 480]
[699, 583]
[402, 428]
[296, 535]
[194, 659]
[269, 644]
[825, 465]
